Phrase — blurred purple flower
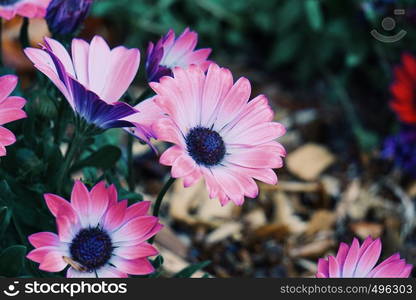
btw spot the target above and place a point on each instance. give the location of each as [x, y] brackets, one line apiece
[170, 52]
[65, 16]
[401, 149]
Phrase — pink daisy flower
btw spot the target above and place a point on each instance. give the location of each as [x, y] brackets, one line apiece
[93, 79]
[360, 261]
[97, 235]
[169, 53]
[143, 121]
[25, 8]
[217, 132]
[10, 110]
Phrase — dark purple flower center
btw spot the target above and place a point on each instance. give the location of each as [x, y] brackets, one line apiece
[205, 146]
[8, 2]
[92, 248]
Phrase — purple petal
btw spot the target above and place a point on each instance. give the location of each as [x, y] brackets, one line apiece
[96, 111]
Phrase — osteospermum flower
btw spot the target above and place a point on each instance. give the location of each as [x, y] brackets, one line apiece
[169, 53]
[97, 235]
[65, 16]
[218, 134]
[10, 110]
[403, 90]
[24, 8]
[360, 261]
[92, 80]
[143, 121]
[401, 149]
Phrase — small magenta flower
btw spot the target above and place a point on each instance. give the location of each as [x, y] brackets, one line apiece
[403, 90]
[25, 8]
[10, 110]
[98, 236]
[169, 53]
[360, 261]
[93, 80]
[65, 16]
[218, 133]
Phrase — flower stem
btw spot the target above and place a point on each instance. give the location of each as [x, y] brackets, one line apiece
[24, 33]
[161, 195]
[130, 175]
[19, 231]
[147, 93]
[159, 200]
[73, 148]
[59, 127]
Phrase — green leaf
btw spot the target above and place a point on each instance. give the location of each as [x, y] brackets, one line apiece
[12, 260]
[288, 15]
[286, 49]
[131, 196]
[5, 217]
[104, 158]
[157, 262]
[29, 160]
[190, 270]
[367, 140]
[90, 174]
[314, 14]
[6, 194]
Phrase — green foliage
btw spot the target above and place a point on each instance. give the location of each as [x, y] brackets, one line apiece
[192, 269]
[12, 261]
[104, 158]
[5, 217]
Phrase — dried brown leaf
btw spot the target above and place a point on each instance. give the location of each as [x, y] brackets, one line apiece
[309, 161]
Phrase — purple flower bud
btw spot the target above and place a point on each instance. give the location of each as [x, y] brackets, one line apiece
[170, 52]
[65, 16]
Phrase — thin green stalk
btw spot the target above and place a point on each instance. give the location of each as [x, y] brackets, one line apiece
[24, 34]
[147, 93]
[161, 195]
[130, 176]
[159, 200]
[22, 237]
[73, 148]
[60, 126]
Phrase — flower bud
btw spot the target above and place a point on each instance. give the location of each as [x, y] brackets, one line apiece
[65, 16]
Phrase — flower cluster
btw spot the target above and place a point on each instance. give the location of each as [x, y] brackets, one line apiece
[212, 127]
[219, 135]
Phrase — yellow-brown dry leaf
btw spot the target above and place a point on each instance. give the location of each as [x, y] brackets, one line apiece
[309, 161]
